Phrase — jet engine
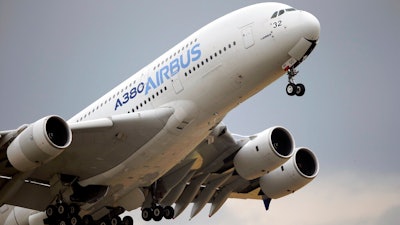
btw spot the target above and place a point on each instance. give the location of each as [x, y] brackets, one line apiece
[264, 152]
[39, 143]
[302, 168]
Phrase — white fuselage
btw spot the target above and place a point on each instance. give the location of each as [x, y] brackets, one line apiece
[202, 78]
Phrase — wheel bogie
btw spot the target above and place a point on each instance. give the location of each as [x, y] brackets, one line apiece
[295, 89]
[157, 213]
[66, 214]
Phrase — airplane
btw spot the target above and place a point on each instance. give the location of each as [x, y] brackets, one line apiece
[157, 140]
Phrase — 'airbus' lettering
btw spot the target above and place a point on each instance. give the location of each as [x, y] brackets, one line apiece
[170, 70]
[165, 73]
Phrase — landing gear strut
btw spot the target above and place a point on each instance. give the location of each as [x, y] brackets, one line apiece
[292, 88]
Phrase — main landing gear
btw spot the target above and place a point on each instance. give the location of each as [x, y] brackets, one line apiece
[157, 213]
[292, 88]
[65, 214]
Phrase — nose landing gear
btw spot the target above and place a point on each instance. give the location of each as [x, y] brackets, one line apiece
[292, 88]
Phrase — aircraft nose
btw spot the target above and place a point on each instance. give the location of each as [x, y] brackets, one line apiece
[312, 26]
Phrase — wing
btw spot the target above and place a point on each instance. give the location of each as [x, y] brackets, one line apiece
[97, 146]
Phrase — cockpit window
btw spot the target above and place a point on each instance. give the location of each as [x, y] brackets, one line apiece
[282, 11]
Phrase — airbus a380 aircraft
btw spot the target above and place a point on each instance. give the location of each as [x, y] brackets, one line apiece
[156, 140]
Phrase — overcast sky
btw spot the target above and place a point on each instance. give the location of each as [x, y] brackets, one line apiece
[57, 57]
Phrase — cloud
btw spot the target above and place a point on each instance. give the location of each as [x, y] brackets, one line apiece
[345, 198]
[390, 217]
[342, 198]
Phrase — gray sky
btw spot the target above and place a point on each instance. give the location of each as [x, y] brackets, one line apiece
[57, 57]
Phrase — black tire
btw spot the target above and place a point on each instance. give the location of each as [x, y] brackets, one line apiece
[74, 209]
[127, 220]
[169, 212]
[62, 209]
[300, 89]
[51, 211]
[75, 220]
[291, 89]
[115, 220]
[158, 213]
[105, 222]
[87, 220]
[147, 214]
[62, 222]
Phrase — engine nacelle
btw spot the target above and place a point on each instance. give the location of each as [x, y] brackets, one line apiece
[302, 168]
[263, 153]
[19, 216]
[39, 143]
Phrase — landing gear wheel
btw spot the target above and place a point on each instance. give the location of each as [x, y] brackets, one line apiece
[169, 212]
[115, 220]
[127, 220]
[87, 220]
[74, 209]
[147, 214]
[158, 213]
[51, 211]
[62, 222]
[62, 209]
[75, 220]
[104, 222]
[291, 89]
[300, 89]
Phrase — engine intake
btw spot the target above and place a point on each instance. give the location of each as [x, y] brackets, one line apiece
[39, 143]
[264, 152]
[301, 169]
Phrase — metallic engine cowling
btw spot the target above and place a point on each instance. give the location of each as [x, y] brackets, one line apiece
[301, 169]
[39, 143]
